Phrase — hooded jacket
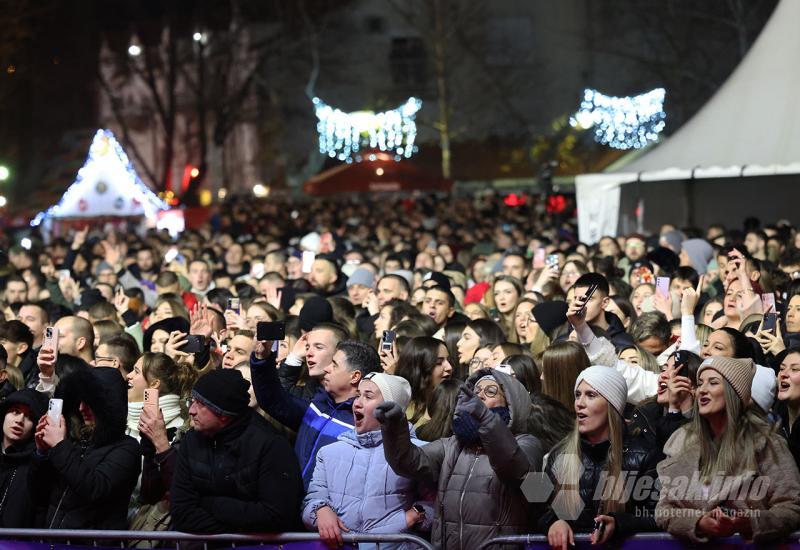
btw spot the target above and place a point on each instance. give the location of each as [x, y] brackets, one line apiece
[242, 480]
[16, 504]
[86, 481]
[479, 494]
[317, 423]
[354, 479]
[773, 491]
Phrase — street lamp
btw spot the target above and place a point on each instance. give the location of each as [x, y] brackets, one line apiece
[4, 173]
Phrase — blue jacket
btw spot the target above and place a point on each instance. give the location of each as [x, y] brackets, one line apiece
[317, 423]
[354, 479]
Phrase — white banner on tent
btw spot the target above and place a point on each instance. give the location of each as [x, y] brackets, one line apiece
[598, 197]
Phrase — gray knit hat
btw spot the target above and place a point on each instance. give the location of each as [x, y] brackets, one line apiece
[608, 383]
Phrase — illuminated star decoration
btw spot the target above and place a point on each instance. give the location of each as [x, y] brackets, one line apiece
[622, 122]
[341, 135]
[106, 185]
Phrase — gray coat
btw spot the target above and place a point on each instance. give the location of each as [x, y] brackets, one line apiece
[479, 494]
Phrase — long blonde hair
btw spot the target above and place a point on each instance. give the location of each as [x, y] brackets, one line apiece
[567, 468]
[734, 451]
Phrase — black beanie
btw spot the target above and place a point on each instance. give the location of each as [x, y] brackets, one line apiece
[550, 315]
[224, 391]
[439, 278]
[315, 310]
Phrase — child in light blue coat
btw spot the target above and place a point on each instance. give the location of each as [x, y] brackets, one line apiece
[353, 489]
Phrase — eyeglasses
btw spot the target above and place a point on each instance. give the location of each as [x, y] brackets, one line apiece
[477, 361]
[489, 390]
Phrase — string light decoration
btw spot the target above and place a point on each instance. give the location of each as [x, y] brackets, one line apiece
[342, 135]
[622, 122]
[106, 185]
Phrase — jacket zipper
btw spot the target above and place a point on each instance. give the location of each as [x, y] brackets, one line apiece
[461, 504]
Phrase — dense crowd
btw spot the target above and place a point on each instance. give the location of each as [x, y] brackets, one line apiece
[458, 369]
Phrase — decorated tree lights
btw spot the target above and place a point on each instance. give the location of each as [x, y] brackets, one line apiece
[622, 122]
[342, 135]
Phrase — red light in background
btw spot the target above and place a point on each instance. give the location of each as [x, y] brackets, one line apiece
[556, 204]
[512, 199]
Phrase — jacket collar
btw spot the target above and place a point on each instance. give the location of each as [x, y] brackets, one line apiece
[596, 451]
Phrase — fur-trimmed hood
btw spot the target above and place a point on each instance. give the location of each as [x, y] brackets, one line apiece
[105, 391]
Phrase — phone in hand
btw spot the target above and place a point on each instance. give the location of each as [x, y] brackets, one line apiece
[195, 343]
[770, 322]
[539, 258]
[54, 410]
[662, 286]
[768, 302]
[387, 340]
[308, 261]
[270, 331]
[552, 262]
[151, 399]
[235, 304]
[50, 340]
[599, 529]
[586, 297]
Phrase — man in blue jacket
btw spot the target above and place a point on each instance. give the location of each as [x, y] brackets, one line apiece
[330, 412]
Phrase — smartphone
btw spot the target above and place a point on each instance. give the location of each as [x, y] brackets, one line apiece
[234, 304]
[54, 409]
[768, 302]
[552, 261]
[63, 274]
[308, 261]
[662, 286]
[586, 297]
[257, 270]
[539, 258]
[599, 528]
[770, 322]
[271, 331]
[387, 341]
[151, 399]
[195, 343]
[50, 340]
[171, 255]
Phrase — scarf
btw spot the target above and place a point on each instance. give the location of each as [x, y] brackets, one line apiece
[465, 427]
[170, 407]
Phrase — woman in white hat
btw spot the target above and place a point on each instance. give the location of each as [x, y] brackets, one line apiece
[728, 471]
[599, 452]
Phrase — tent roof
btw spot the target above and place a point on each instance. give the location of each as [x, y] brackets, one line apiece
[752, 121]
[106, 186]
[383, 174]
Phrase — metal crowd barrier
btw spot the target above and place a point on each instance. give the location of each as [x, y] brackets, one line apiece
[643, 541]
[70, 537]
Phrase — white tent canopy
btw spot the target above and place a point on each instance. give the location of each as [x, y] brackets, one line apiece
[106, 186]
[749, 129]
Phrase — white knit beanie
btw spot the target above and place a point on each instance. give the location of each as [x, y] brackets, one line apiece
[608, 383]
[393, 388]
[765, 384]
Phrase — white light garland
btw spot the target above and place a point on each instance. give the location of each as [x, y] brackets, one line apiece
[341, 135]
[103, 145]
[622, 122]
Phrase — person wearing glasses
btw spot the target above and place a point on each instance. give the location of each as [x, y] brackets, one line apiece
[479, 469]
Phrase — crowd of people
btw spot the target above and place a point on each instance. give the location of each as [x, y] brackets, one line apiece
[454, 368]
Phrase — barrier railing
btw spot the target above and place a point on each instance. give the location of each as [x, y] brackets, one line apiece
[643, 541]
[284, 540]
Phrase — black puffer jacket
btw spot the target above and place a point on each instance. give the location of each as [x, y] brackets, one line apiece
[650, 421]
[244, 480]
[639, 459]
[16, 504]
[791, 432]
[86, 481]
